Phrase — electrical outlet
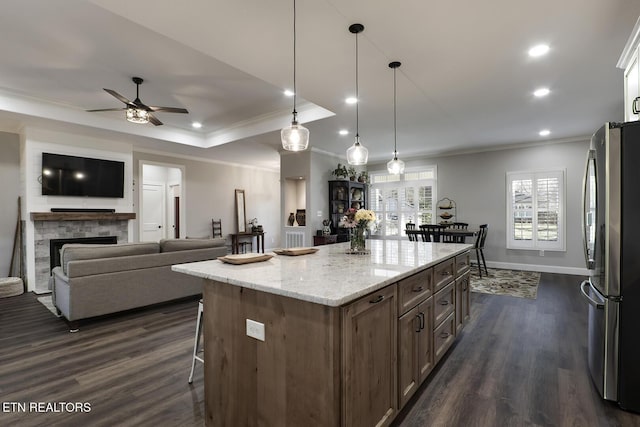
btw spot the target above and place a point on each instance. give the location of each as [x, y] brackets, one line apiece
[541, 253]
[319, 214]
[255, 329]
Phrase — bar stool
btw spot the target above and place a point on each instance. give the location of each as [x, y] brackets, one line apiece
[196, 344]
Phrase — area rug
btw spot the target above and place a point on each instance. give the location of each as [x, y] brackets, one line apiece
[515, 283]
[47, 302]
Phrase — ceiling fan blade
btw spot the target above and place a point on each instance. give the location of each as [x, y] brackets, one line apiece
[117, 96]
[106, 109]
[154, 120]
[140, 105]
[169, 110]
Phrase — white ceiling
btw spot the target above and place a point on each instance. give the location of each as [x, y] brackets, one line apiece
[465, 83]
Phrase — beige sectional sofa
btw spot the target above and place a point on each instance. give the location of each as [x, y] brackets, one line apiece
[94, 280]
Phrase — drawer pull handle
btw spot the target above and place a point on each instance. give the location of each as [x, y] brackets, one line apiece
[421, 315]
[446, 273]
[419, 326]
[377, 300]
[444, 302]
[418, 289]
[445, 335]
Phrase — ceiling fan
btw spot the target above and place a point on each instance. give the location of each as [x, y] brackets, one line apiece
[137, 112]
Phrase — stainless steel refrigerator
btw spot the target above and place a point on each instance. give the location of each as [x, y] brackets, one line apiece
[611, 232]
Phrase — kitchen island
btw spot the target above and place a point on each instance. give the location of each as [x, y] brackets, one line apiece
[328, 338]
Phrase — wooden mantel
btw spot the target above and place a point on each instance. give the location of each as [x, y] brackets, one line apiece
[82, 216]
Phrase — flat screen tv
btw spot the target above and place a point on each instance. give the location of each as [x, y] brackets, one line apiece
[81, 176]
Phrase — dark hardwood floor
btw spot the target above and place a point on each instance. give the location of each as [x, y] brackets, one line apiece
[518, 363]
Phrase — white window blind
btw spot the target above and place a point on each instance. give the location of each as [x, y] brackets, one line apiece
[398, 199]
[535, 210]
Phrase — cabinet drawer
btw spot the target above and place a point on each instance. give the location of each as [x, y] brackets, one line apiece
[414, 289]
[443, 337]
[443, 274]
[463, 261]
[444, 303]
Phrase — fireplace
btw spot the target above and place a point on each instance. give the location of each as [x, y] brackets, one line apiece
[69, 227]
[56, 244]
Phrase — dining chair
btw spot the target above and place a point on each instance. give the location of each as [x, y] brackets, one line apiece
[410, 226]
[459, 226]
[431, 232]
[216, 226]
[479, 247]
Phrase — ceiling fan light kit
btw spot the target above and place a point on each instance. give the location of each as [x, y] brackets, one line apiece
[136, 111]
[295, 137]
[395, 166]
[137, 115]
[357, 154]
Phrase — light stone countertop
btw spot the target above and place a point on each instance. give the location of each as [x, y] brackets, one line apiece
[330, 276]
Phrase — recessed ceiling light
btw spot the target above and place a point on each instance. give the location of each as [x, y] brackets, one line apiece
[539, 50]
[196, 125]
[351, 100]
[544, 132]
[288, 92]
[343, 132]
[543, 91]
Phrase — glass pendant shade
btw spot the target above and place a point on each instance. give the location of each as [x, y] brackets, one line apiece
[137, 115]
[295, 137]
[357, 154]
[395, 166]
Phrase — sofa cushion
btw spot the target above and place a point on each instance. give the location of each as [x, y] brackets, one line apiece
[78, 251]
[172, 245]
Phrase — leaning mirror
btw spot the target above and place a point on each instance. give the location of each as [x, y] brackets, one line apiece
[241, 218]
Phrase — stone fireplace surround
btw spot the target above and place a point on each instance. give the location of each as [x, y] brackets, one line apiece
[70, 225]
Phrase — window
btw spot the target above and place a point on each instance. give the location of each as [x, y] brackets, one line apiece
[535, 210]
[398, 199]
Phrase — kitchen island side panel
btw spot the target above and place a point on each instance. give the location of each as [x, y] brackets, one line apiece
[294, 372]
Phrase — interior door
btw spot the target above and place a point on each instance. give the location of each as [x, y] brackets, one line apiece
[153, 209]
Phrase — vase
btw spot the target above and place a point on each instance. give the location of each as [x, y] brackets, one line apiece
[358, 239]
[291, 219]
[301, 217]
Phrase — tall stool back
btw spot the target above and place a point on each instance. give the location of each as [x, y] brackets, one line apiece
[196, 345]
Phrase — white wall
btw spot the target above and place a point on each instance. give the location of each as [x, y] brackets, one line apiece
[477, 182]
[10, 191]
[209, 193]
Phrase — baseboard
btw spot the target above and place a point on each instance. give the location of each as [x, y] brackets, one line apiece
[575, 271]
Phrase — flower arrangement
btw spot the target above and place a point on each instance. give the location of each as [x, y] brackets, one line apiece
[358, 220]
[354, 218]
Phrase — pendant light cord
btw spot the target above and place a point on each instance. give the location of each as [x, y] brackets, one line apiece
[295, 92]
[357, 95]
[395, 132]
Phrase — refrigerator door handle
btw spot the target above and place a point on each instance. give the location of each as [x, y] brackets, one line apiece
[585, 293]
[591, 155]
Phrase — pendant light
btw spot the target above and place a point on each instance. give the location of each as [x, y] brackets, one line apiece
[357, 154]
[395, 166]
[294, 137]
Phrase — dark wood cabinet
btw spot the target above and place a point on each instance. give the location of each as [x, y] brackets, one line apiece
[463, 301]
[369, 370]
[342, 196]
[325, 240]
